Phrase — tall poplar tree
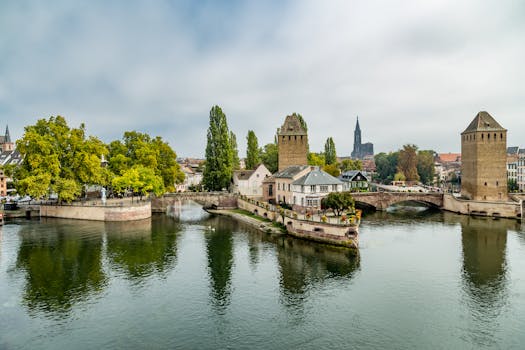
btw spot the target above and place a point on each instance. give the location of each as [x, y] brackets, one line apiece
[330, 155]
[219, 164]
[407, 162]
[235, 152]
[253, 157]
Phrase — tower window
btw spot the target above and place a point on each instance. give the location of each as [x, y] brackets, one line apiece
[482, 136]
[485, 184]
[495, 137]
[488, 136]
[501, 136]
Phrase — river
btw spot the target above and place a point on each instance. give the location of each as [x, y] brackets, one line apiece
[193, 281]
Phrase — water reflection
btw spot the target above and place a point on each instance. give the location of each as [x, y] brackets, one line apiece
[219, 250]
[484, 272]
[62, 264]
[142, 248]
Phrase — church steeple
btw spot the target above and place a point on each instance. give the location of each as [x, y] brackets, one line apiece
[357, 140]
[7, 137]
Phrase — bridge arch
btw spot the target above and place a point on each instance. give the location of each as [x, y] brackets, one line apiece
[383, 200]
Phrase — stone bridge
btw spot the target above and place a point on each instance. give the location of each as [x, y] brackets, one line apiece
[216, 200]
[382, 200]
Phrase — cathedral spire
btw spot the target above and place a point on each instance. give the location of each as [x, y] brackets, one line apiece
[357, 124]
[7, 137]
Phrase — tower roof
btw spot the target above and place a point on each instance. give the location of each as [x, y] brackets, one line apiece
[484, 122]
[357, 124]
[292, 126]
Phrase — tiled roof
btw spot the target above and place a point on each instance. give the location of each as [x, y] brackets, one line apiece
[243, 174]
[351, 174]
[317, 177]
[290, 172]
[292, 126]
[484, 122]
[449, 157]
[512, 150]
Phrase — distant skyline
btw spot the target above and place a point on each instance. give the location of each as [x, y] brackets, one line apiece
[413, 72]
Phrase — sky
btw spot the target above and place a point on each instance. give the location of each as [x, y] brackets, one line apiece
[413, 71]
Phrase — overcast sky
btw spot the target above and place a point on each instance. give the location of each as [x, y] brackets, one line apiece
[414, 71]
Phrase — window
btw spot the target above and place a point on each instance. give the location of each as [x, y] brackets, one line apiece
[482, 136]
[289, 188]
[324, 188]
[334, 188]
[488, 136]
[312, 188]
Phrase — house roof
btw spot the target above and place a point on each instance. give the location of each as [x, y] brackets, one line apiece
[243, 174]
[483, 122]
[512, 150]
[521, 151]
[290, 172]
[317, 177]
[449, 157]
[350, 175]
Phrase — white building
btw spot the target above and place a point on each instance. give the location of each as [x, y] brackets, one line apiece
[354, 181]
[249, 182]
[520, 174]
[308, 190]
[191, 178]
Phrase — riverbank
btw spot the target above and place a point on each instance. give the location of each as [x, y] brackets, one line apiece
[264, 225]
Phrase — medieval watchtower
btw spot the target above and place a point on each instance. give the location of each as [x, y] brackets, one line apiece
[292, 139]
[483, 160]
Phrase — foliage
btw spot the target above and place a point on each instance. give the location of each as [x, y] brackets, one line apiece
[512, 185]
[316, 159]
[304, 125]
[252, 151]
[386, 165]
[351, 164]
[219, 164]
[330, 154]
[407, 162]
[399, 177]
[139, 179]
[235, 152]
[425, 166]
[338, 202]
[58, 158]
[139, 149]
[332, 169]
[270, 157]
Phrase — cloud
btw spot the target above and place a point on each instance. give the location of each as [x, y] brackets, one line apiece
[414, 73]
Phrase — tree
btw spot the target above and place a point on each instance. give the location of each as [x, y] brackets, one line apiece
[316, 159]
[235, 152]
[400, 177]
[330, 155]
[304, 125]
[140, 149]
[407, 162]
[58, 158]
[332, 169]
[386, 166]
[270, 157]
[351, 164]
[139, 179]
[425, 166]
[219, 164]
[512, 185]
[338, 202]
[252, 151]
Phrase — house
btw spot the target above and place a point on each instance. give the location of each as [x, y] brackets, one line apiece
[191, 178]
[278, 188]
[250, 182]
[521, 170]
[309, 190]
[354, 181]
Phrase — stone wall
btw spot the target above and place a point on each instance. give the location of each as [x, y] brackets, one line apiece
[98, 213]
[482, 208]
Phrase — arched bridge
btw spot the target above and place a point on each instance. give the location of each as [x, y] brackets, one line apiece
[219, 200]
[382, 200]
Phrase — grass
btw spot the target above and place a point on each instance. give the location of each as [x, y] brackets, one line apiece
[252, 215]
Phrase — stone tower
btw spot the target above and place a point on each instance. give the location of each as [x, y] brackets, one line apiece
[483, 160]
[292, 140]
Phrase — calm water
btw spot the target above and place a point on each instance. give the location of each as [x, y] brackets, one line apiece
[420, 280]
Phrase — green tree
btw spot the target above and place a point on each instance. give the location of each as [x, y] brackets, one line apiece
[58, 158]
[338, 202]
[512, 185]
[425, 166]
[316, 159]
[332, 169]
[386, 166]
[270, 157]
[351, 164]
[140, 149]
[219, 168]
[235, 152]
[407, 162]
[400, 177]
[252, 151]
[330, 155]
[139, 179]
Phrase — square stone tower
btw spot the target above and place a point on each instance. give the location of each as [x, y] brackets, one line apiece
[484, 160]
[292, 140]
